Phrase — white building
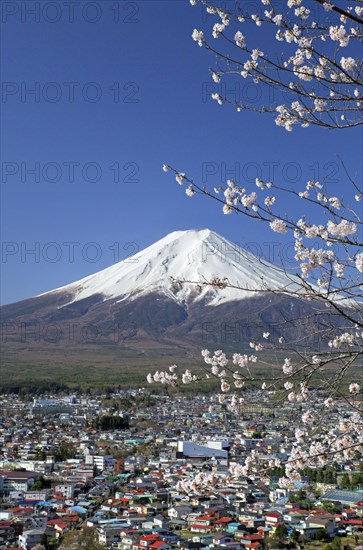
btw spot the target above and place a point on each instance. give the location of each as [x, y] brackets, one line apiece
[189, 448]
[67, 489]
[30, 538]
[104, 462]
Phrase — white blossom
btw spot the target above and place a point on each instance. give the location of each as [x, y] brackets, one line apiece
[287, 367]
[218, 28]
[269, 201]
[240, 39]
[198, 37]
[348, 63]
[278, 226]
[354, 388]
[359, 262]
[339, 34]
[218, 98]
[342, 229]
[180, 178]
[308, 417]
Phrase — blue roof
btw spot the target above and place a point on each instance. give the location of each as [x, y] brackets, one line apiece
[79, 509]
[343, 496]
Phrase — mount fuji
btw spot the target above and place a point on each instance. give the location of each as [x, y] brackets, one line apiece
[195, 256]
[135, 312]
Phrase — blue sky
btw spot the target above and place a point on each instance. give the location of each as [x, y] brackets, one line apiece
[139, 99]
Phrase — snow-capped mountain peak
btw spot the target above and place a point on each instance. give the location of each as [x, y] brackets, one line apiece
[192, 255]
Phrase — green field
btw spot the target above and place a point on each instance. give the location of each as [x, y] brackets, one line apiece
[104, 367]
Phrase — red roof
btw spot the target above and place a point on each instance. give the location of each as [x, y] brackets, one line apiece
[224, 519]
[272, 515]
[299, 511]
[253, 537]
[62, 525]
[71, 519]
[353, 522]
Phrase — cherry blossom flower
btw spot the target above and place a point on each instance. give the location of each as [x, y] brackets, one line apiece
[240, 39]
[278, 226]
[308, 417]
[218, 98]
[287, 367]
[342, 229]
[329, 402]
[180, 178]
[359, 262]
[339, 34]
[348, 63]
[198, 37]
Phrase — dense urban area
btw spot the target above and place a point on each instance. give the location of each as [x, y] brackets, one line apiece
[107, 471]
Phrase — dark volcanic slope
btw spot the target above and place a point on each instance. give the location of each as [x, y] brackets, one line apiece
[155, 320]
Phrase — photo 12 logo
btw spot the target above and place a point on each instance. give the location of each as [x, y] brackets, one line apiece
[33, 332]
[69, 92]
[68, 252]
[291, 172]
[69, 171]
[29, 12]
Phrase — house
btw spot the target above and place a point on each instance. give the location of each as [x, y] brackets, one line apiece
[222, 539]
[30, 538]
[200, 528]
[129, 538]
[234, 527]
[40, 495]
[222, 522]
[147, 540]
[160, 545]
[13, 480]
[192, 545]
[59, 526]
[322, 522]
[313, 524]
[254, 540]
[65, 489]
[273, 519]
[109, 535]
[161, 522]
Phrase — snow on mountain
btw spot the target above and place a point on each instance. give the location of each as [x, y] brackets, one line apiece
[184, 255]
